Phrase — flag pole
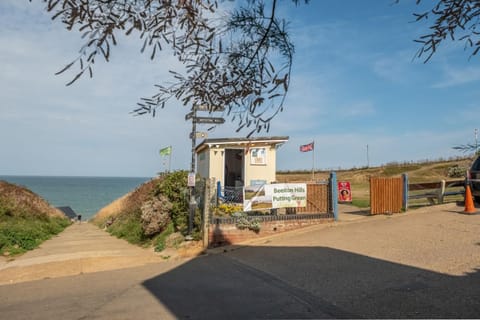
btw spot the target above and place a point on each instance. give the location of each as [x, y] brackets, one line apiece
[313, 161]
[170, 159]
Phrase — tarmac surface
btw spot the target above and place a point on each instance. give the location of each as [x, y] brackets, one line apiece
[420, 264]
[84, 248]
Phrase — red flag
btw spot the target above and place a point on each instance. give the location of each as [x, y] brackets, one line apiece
[306, 147]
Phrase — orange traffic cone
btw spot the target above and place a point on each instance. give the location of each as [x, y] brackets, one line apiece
[469, 207]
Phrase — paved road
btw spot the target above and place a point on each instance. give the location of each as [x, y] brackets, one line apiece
[424, 264]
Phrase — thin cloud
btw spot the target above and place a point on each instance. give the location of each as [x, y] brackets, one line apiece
[358, 109]
[458, 76]
[396, 67]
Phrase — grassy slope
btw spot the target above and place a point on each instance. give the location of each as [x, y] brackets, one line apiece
[26, 220]
[129, 202]
[359, 178]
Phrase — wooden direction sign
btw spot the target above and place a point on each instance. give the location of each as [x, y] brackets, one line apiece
[204, 107]
[199, 135]
[211, 120]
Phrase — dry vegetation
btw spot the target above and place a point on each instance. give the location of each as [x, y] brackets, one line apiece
[156, 213]
[24, 200]
[359, 178]
[417, 172]
[126, 203]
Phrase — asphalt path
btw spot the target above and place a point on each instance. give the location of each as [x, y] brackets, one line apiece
[423, 264]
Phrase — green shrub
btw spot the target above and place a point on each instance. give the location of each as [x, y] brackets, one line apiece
[18, 235]
[129, 227]
[174, 187]
[160, 240]
[244, 222]
[152, 215]
[456, 172]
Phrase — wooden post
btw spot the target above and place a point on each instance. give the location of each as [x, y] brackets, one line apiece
[441, 192]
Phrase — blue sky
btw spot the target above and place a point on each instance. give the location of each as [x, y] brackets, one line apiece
[354, 83]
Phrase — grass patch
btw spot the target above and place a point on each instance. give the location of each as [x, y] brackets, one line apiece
[160, 240]
[361, 203]
[18, 234]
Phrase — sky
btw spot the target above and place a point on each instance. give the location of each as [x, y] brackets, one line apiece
[354, 83]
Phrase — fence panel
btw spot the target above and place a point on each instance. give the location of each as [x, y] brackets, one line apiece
[386, 195]
[317, 199]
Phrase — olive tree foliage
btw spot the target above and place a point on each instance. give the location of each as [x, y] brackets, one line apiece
[239, 62]
[457, 20]
[466, 148]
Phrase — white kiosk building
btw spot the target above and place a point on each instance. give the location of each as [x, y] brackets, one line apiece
[238, 162]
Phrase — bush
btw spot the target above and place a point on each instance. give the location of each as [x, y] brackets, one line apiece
[26, 220]
[129, 227]
[153, 212]
[155, 215]
[18, 235]
[244, 222]
[456, 171]
[174, 187]
[227, 209]
[160, 241]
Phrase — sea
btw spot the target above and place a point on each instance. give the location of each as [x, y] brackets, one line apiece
[85, 195]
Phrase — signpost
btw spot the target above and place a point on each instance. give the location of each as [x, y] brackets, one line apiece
[201, 135]
[204, 107]
[189, 116]
[194, 135]
[210, 120]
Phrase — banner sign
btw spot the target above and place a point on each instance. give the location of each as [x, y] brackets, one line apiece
[344, 191]
[271, 196]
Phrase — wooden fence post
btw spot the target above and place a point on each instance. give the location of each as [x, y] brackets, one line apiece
[441, 191]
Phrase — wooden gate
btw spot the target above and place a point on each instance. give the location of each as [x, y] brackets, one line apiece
[317, 198]
[386, 195]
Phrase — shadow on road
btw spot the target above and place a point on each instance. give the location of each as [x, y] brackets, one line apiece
[311, 282]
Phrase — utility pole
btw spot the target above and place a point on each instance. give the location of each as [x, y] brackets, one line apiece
[191, 176]
[313, 161]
